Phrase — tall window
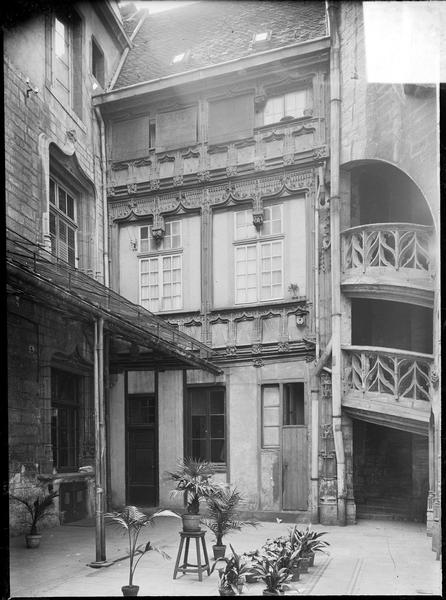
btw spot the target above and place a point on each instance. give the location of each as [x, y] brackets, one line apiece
[66, 59]
[205, 424]
[97, 62]
[291, 104]
[282, 405]
[258, 264]
[161, 274]
[63, 224]
[65, 420]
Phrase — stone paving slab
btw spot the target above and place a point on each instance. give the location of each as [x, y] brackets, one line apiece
[370, 558]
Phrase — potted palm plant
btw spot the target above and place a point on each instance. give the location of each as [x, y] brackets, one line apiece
[310, 543]
[194, 481]
[233, 576]
[132, 520]
[37, 503]
[274, 576]
[286, 551]
[222, 517]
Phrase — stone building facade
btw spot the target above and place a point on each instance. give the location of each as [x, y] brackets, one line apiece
[236, 175]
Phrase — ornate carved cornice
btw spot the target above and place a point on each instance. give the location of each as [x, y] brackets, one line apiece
[252, 190]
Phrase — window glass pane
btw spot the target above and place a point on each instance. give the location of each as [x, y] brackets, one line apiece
[52, 223]
[293, 404]
[62, 200]
[217, 426]
[199, 449]
[270, 395]
[271, 415]
[217, 451]
[198, 426]
[295, 103]
[59, 38]
[273, 110]
[217, 402]
[198, 405]
[70, 207]
[271, 436]
[52, 192]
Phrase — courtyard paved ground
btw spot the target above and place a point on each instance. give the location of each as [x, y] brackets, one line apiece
[370, 558]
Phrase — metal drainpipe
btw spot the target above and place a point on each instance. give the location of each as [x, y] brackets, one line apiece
[104, 197]
[335, 105]
[98, 422]
[313, 380]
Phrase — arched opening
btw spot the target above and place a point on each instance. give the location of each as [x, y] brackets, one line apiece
[382, 193]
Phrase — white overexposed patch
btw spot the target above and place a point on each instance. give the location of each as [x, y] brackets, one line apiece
[405, 41]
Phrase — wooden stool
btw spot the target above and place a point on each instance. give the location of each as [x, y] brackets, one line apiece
[186, 567]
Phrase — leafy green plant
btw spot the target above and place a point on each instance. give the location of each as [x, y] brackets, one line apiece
[37, 504]
[283, 550]
[222, 513]
[194, 480]
[274, 576]
[133, 521]
[308, 540]
[235, 571]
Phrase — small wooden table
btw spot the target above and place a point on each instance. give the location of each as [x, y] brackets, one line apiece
[186, 567]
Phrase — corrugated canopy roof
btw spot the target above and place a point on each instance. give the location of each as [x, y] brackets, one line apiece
[139, 338]
[213, 32]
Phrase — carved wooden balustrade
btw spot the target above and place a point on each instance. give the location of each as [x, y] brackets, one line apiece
[392, 245]
[401, 374]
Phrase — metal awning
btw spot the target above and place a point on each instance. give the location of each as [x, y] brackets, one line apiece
[151, 342]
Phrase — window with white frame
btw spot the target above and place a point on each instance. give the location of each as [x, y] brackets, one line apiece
[258, 265]
[63, 225]
[291, 104]
[170, 241]
[161, 275]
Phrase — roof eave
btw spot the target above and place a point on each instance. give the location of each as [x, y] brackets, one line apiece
[105, 10]
[224, 68]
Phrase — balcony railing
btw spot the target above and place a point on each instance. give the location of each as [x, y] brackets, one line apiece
[402, 374]
[392, 245]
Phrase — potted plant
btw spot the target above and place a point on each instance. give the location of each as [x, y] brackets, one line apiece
[251, 557]
[273, 575]
[310, 543]
[233, 576]
[222, 517]
[286, 551]
[132, 520]
[194, 480]
[37, 503]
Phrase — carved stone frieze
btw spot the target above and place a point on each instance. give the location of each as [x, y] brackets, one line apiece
[288, 159]
[177, 180]
[256, 348]
[154, 184]
[132, 188]
[203, 176]
[258, 362]
[231, 170]
[283, 347]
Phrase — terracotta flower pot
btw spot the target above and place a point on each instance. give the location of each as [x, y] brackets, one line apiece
[219, 551]
[275, 593]
[295, 573]
[191, 522]
[130, 590]
[311, 557]
[33, 540]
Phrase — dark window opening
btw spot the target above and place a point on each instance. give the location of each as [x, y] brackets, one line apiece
[97, 63]
[206, 428]
[65, 420]
[293, 404]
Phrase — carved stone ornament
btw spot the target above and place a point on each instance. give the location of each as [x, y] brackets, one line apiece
[132, 188]
[231, 170]
[71, 136]
[257, 219]
[259, 164]
[204, 176]
[231, 350]
[256, 348]
[434, 377]
[283, 346]
[177, 180]
[288, 159]
[319, 153]
[111, 191]
[154, 184]
[257, 363]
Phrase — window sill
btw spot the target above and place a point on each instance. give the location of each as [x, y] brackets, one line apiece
[293, 121]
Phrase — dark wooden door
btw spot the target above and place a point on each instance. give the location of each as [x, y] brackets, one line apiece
[142, 450]
[294, 468]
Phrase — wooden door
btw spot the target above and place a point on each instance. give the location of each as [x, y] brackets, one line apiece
[142, 450]
[294, 468]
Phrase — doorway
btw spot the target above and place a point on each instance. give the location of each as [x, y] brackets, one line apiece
[391, 474]
[142, 450]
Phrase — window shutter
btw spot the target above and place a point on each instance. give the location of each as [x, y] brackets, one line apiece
[176, 128]
[130, 138]
[231, 119]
